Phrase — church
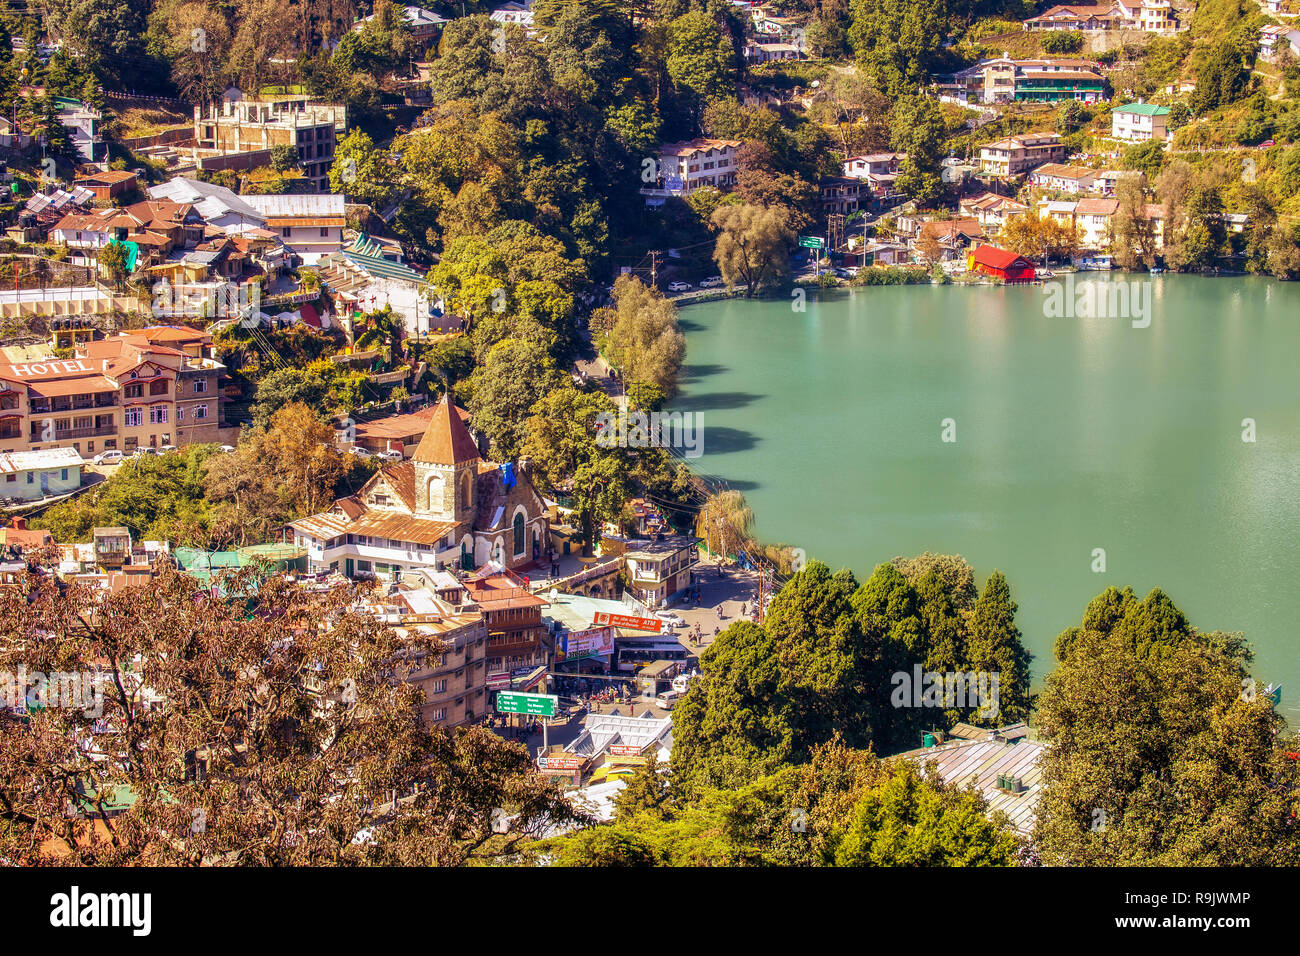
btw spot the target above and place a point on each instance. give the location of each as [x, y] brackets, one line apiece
[444, 507]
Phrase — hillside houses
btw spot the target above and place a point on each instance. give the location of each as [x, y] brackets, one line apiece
[1147, 16]
[1015, 155]
[1062, 178]
[1003, 79]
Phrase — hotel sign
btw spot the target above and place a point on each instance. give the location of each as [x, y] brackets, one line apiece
[43, 369]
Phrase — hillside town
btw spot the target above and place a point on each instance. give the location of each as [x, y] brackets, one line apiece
[314, 329]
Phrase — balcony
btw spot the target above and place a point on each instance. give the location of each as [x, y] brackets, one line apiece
[64, 433]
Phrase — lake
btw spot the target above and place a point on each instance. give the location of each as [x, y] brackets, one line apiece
[1067, 433]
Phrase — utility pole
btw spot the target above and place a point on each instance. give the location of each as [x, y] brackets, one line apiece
[835, 231]
[654, 267]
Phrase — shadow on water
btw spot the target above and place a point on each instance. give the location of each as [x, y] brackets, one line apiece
[723, 441]
[695, 373]
[714, 401]
[686, 325]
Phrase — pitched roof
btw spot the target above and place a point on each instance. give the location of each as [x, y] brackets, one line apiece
[1062, 171]
[998, 258]
[1143, 109]
[446, 441]
[1096, 207]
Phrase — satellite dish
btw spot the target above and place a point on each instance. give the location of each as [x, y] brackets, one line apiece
[554, 594]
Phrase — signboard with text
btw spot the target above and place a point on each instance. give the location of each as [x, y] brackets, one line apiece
[604, 619]
[593, 642]
[534, 705]
[812, 242]
[559, 762]
[624, 750]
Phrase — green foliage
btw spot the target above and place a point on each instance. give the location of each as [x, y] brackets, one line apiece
[1162, 752]
[911, 821]
[1062, 41]
[158, 498]
[823, 664]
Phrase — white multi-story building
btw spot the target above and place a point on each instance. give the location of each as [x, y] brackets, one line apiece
[311, 226]
[1138, 122]
[682, 168]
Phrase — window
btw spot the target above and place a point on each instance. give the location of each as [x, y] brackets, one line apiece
[519, 533]
[158, 415]
[158, 388]
[201, 412]
[324, 232]
[438, 687]
[200, 386]
[440, 713]
[180, 413]
[132, 417]
[63, 474]
[31, 477]
[11, 477]
[285, 232]
[134, 391]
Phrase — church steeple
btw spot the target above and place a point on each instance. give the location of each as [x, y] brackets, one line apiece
[446, 441]
[445, 463]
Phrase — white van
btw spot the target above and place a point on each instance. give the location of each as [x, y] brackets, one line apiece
[680, 683]
[666, 700]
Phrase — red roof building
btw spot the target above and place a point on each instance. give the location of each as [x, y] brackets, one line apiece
[1005, 265]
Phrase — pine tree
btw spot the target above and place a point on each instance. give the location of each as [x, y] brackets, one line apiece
[994, 646]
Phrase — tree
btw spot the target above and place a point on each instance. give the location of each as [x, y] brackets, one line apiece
[645, 344]
[896, 41]
[752, 246]
[1133, 242]
[646, 792]
[700, 57]
[918, 130]
[268, 727]
[1223, 79]
[911, 820]
[994, 647]
[506, 386]
[289, 469]
[362, 171]
[1161, 752]
[1062, 41]
[1146, 158]
[112, 260]
[286, 386]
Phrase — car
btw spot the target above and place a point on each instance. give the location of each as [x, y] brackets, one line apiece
[144, 451]
[679, 287]
[358, 451]
[669, 618]
[1266, 144]
[226, 449]
[390, 455]
[666, 700]
[110, 457]
[711, 282]
[166, 449]
[842, 273]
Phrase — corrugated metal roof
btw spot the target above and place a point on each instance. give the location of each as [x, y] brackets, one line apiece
[15, 461]
[298, 205]
[981, 762]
